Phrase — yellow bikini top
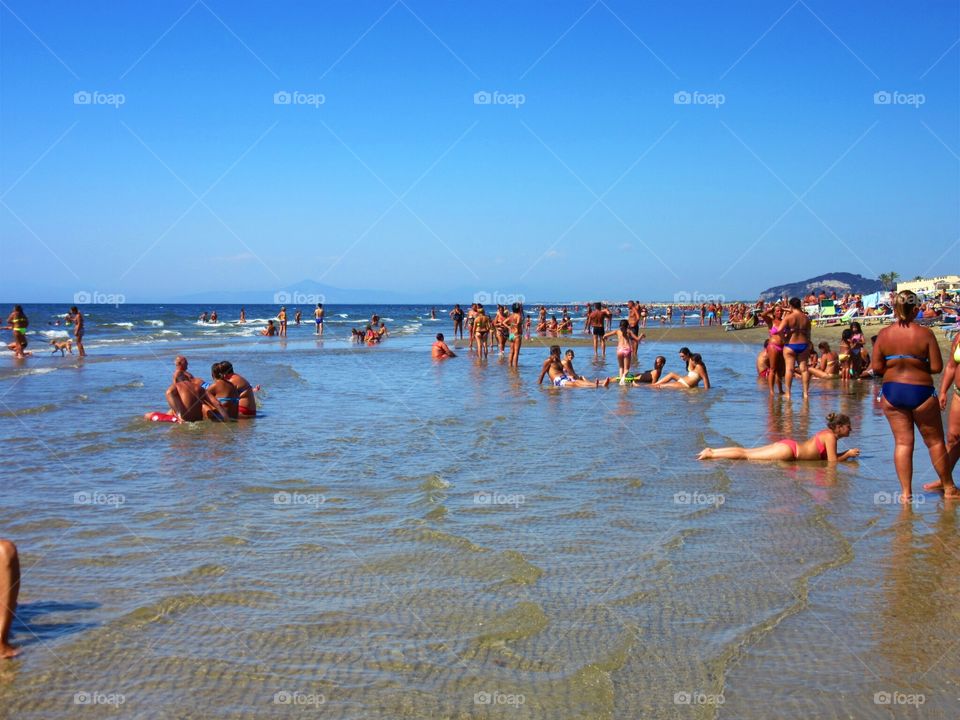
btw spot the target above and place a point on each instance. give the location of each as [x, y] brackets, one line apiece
[956, 354]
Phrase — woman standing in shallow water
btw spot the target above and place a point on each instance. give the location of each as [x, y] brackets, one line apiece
[515, 323]
[907, 356]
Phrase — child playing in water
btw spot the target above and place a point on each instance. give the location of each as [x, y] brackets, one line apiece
[625, 343]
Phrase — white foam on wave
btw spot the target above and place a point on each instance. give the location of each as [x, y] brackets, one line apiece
[120, 324]
[50, 334]
[154, 323]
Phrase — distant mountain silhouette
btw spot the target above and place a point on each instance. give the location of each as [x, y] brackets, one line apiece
[841, 282]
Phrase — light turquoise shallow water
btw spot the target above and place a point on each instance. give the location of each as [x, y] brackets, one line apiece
[398, 538]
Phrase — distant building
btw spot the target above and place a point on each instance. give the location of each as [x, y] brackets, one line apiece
[950, 283]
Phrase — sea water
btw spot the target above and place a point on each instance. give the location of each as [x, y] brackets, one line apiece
[402, 538]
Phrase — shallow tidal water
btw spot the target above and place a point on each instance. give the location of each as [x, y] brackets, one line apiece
[399, 538]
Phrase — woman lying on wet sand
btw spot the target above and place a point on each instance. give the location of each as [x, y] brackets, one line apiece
[822, 446]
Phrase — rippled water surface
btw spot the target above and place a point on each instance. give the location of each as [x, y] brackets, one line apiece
[397, 538]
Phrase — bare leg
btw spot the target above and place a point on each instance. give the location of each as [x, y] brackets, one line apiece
[930, 425]
[789, 359]
[901, 425]
[774, 451]
[9, 590]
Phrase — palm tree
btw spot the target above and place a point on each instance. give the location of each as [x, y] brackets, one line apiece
[889, 280]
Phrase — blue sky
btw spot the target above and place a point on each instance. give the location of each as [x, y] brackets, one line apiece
[182, 174]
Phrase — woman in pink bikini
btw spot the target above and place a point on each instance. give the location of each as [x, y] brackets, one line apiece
[773, 317]
[822, 446]
[626, 340]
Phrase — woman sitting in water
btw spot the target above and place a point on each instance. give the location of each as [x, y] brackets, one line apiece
[696, 370]
[247, 406]
[822, 446]
[223, 392]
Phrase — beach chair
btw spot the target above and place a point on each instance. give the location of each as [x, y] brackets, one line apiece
[823, 313]
[834, 319]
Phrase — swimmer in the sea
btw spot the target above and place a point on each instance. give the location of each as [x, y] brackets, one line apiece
[9, 590]
[440, 350]
[270, 330]
[822, 446]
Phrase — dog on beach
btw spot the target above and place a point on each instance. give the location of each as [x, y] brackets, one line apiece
[62, 345]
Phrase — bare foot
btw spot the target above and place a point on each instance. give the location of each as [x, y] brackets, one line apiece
[906, 498]
[705, 454]
[606, 382]
[8, 651]
[951, 492]
[931, 486]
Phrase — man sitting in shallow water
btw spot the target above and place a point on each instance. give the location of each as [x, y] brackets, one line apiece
[553, 366]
